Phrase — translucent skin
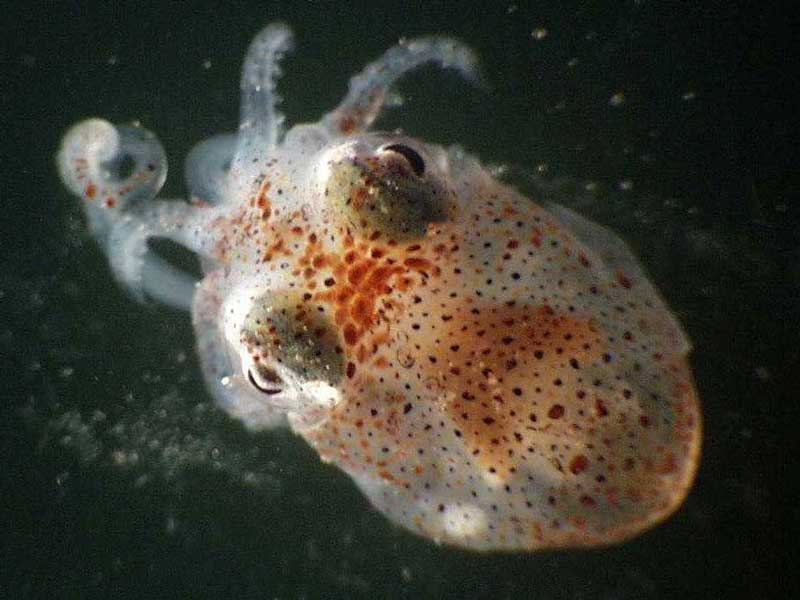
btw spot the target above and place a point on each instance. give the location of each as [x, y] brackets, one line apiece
[493, 374]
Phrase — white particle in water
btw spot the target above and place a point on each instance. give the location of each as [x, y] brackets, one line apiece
[539, 33]
[171, 525]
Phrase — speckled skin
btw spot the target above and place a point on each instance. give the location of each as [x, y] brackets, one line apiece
[492, 373]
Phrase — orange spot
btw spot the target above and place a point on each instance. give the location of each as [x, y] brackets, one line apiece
[359, 197]
[378, 280]
[351, 334]
[418, 264]
[343, 294]
[361, 310]
[361, 353]
[340, 316]
[263, 202]
[358, 271]
[578, 464]
[347, 125]
[600, 408]
[668, 465]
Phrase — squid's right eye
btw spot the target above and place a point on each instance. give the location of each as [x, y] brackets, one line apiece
[412, 156]
[388, 194]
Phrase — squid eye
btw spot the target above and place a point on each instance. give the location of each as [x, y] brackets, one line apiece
[286, 342]
[388, 193]
[270, 376]
[411, 155]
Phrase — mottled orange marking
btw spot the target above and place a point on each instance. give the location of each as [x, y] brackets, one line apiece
[497, 361]
[354, 292]
[357, 272]
[277, 247]
[362, 310]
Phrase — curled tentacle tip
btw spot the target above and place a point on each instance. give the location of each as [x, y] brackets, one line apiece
[108, 165]
[83, 146]
[453, 54]
[468, 64]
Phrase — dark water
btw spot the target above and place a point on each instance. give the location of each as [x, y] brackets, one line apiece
[120, 479]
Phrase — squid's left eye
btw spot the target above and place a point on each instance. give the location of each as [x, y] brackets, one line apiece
[266, 381]
[285, 341]
[411, 155]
